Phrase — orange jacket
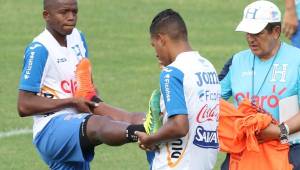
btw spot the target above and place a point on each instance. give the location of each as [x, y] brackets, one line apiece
[236, 131]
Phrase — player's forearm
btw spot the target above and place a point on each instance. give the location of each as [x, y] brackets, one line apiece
[176, 127]
[115, 113]
[29, 104]
[118, 114]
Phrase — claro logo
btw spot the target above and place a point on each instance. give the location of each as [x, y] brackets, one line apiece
[271, 100]
[68, 86]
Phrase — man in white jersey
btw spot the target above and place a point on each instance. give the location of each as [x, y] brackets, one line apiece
[64, 138]
[265, 73]
[190, 91]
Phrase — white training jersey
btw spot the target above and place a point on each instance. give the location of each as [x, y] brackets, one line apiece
[190, 86]
[49, 70]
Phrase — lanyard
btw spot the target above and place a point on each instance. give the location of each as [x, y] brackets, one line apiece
[265, 78]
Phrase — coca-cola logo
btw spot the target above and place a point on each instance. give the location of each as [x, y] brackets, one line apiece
[207, 113]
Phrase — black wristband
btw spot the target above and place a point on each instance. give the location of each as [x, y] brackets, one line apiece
[131, 129]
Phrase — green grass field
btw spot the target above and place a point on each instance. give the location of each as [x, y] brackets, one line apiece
[124, 65]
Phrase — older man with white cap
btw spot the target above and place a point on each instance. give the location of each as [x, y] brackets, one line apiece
[268, 74]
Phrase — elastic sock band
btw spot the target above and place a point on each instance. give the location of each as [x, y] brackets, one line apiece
[131, 129]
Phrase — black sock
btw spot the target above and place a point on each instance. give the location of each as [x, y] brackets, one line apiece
[131, 137]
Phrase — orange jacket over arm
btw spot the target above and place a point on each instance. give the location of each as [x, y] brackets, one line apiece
[236, 132]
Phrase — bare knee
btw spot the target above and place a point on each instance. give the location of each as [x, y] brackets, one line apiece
[102, 129]
[95, 126]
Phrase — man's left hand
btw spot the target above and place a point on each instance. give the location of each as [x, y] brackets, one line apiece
[272, 132]
[144, 141]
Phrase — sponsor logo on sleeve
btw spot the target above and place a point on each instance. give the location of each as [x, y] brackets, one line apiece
[29, 66]
[206, 138]
[168, 70]
[35, 46]
[167, 87]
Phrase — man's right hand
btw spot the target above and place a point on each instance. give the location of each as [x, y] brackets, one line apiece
[84, 106]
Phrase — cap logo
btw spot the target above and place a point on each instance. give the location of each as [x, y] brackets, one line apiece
[274, 15]
[251, 13]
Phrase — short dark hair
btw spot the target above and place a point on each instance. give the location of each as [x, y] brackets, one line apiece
[169, 22]
[47, 4]
[272, 25]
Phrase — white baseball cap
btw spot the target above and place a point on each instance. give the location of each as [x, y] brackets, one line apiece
[257, 15]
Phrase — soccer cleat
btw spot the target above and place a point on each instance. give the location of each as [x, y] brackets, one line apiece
[153, 118]
[85, 87]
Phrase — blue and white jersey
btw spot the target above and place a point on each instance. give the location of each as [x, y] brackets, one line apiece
[190, 86]
[49, 70]
[274, 79]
